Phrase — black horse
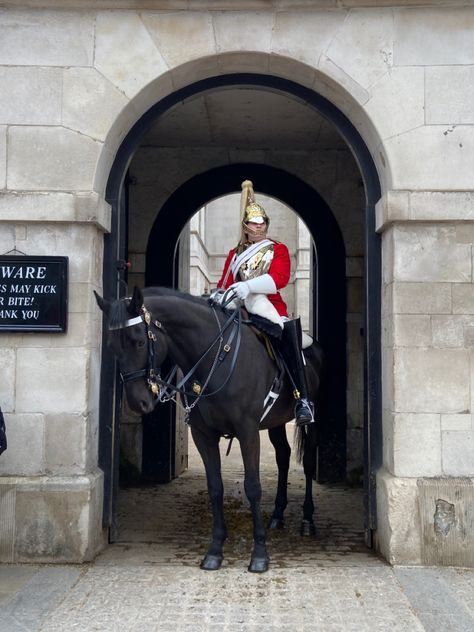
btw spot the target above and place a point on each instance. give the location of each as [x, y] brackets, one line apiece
[228, 375]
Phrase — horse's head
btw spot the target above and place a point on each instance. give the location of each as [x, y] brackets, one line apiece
[139, 345]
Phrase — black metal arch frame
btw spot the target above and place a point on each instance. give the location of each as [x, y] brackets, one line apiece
[331, 286]
[115, 248]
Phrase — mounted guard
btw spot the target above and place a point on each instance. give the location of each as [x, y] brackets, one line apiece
[256, 269]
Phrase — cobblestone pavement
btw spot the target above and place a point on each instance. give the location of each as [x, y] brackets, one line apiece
[149, 580]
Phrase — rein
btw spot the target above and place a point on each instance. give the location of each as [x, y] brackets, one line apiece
[168, 390]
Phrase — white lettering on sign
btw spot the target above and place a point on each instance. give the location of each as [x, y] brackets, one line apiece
[21, 300]
[22, 272]
[8, 313]
[44, 289]
[20, 289]
[30, 314]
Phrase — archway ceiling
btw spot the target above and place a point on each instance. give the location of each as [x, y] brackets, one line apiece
[244, 118]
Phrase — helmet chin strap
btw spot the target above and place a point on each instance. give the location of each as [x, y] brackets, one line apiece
[254, 238]
[254, 235]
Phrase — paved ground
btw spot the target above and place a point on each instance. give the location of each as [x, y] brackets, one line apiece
[150, 581]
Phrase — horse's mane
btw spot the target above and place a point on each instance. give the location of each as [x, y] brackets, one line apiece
[119, 312]
[202, 301]
[167, 291]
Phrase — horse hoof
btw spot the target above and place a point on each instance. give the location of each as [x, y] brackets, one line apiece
[258, 565]
[307, 528]
[211, 563]
[276, 523]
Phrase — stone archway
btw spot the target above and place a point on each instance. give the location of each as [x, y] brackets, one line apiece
[115, 242]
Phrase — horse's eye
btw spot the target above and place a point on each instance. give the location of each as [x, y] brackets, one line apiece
[140, 343]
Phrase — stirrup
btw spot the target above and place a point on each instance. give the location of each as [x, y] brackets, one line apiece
[304, 412]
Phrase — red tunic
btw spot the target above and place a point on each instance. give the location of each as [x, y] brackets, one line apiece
[279, 271]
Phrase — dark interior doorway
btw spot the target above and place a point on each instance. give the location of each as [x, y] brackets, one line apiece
[329, 299]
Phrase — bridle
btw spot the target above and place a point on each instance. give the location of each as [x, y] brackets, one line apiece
[164, 390]
[150, 372]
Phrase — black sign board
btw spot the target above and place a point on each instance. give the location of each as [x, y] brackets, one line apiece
[33, 293]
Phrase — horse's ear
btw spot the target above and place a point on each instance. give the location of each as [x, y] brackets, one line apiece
[102, 303]
[136, 303]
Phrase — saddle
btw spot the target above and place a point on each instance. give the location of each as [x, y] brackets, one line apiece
[268, 333]
[261, 326]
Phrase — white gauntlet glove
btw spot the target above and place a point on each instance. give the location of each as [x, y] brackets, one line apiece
[263, 284]
[241, 289]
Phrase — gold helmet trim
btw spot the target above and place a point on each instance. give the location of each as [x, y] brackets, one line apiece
[255, 213]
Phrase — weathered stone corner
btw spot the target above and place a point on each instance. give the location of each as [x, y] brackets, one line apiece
[57, 519]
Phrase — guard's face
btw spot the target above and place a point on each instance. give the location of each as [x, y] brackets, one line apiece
[256, 231]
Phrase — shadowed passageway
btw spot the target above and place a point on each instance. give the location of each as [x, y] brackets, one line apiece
[171, 523]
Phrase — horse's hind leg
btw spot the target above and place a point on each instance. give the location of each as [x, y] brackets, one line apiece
[282, 455]
[309, 467]
[208, 447]
[250, 448]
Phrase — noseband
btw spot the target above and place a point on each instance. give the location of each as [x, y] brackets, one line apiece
[150, 372]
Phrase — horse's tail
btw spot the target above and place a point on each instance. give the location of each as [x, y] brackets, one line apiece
[315, 355]
[299, 440]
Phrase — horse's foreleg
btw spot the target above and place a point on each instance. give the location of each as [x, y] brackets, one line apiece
[208, 447]
[250, 448]
[282, 455]
[309, 467]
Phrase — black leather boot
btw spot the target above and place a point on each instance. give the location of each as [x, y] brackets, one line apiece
[290, 347]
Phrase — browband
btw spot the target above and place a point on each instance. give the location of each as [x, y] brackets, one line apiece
[129, 323]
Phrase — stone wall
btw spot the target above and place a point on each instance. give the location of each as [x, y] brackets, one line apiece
[50, 394]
